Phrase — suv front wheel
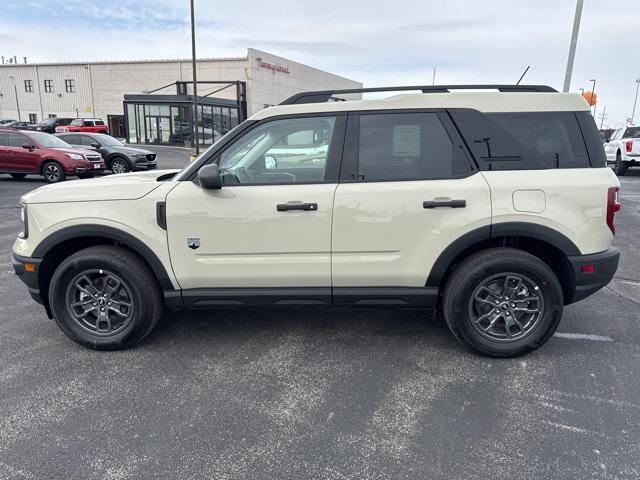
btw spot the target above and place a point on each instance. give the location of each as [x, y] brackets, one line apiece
[105, 297]
[503, 302]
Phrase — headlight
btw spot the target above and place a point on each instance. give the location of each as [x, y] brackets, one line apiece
[75, 156]
[25, 221]
[139, 155]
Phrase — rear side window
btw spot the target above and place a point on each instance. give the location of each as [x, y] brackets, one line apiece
[632, 132]
[99, 122]
[403, 146]
[16, 140]
[524, 140]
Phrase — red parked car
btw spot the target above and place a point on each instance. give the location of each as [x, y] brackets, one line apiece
[88, 125]
[24, 153]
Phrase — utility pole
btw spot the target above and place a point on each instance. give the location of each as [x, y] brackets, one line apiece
[434, 76]
[572, 46]
[633, 113]
[15, 89]
[195, 81]
[602, 115]
[593, 93]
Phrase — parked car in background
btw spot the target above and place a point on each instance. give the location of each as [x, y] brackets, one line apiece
[605, 134]
[89, 125]
[48, 125]
[6, 121]
[623, 149]
[20, 125]
[24, 153]
[117, 157]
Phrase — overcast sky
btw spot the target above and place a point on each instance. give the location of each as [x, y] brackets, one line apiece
[377, 42]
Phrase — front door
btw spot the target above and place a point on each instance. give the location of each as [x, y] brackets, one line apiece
[410, 190]
[269, 225]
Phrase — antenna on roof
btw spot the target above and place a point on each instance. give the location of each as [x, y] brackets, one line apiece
[523, 74]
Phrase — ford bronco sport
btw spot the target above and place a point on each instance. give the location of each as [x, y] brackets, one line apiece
[495, 207]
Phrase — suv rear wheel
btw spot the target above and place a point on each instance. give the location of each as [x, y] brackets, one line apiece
[503, 302]
[105, 297]
[620, 167]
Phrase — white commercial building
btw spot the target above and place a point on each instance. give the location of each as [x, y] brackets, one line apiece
[150, 101]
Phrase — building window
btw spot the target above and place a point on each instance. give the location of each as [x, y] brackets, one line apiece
[70, 86]
[28, 86]
[33, 118]
[48, 86]
[53, 115]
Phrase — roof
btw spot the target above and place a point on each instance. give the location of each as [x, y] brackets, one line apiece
[115, 62]
[482, 101]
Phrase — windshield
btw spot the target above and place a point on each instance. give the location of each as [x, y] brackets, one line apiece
[49, 141]
[107, 141]
[4, 122]
[48, 121]
[77, 122]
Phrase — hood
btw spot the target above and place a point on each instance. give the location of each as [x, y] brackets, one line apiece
[124, 186]
[77, 151]
[131, 150]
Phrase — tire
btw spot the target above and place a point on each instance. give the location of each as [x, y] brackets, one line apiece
[620, 167]
[18, 176]
[53, 172]
[128, 283]
[466, 297]
[120, 165]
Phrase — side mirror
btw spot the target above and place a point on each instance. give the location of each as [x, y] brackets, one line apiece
[29, 147]
[209, 177]
[95, 145]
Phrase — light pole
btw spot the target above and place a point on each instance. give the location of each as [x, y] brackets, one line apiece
[15, 89]
[593, 94]
[195, 81]
[572, 46]
[633, 112]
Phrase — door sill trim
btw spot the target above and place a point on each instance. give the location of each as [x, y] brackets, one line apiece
[401, 297]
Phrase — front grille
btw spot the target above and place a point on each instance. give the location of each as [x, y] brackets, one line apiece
[151, 157]
[94, 158]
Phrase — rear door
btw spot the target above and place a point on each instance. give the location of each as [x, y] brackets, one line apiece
[22, 159]
[408, 189]
[611, 147]
[5, 152]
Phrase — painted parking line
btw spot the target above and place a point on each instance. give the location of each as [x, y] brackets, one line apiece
[583, 336]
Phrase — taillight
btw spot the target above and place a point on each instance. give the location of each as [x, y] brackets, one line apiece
[628, 146]
[613, 207]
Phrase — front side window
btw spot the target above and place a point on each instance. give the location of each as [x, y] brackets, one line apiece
[283, 151]
[69, 85]
[28, 86]
[403, 146]
[48, 86]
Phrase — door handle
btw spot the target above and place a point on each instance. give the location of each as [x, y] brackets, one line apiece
[283, 207]
[445, 203]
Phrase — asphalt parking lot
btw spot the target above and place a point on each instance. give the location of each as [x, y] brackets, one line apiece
[344, 394]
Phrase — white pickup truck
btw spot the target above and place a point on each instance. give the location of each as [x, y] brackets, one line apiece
[623, 149]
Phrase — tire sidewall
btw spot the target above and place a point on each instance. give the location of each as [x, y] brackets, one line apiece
[143, 306]
[552, 296]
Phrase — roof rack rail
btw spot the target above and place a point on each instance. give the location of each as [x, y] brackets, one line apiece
[322, 96]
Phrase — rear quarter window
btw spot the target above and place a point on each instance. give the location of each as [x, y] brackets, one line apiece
[529, 140]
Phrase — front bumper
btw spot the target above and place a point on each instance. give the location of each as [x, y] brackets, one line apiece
[144, 164]
[604, 266]
[29, 278]
[88, 170]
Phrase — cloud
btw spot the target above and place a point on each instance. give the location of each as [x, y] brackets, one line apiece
[378, 42]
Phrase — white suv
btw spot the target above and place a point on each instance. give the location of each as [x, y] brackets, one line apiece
[495, 207]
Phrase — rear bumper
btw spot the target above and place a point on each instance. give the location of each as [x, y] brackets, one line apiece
[604, 264]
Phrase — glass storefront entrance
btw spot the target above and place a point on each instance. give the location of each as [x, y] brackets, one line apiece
[171, 123]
